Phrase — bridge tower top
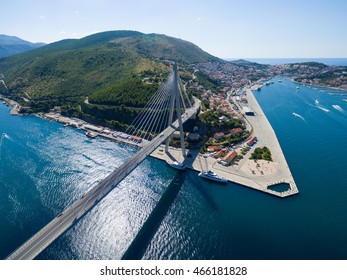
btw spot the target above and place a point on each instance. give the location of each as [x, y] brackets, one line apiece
[176, 103]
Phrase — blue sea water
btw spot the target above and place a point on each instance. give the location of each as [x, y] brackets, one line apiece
[44, 167]
[276, 61]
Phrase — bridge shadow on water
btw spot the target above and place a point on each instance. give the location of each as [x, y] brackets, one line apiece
[140, 243]
[197, 183]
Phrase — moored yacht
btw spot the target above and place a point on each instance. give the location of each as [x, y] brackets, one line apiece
[212, 176]
[177, 165]
[91, 134]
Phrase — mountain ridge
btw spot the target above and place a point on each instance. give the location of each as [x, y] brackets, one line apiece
[102, 66]
[11, 45]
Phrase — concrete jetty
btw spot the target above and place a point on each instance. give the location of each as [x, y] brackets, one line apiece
[15, 106]
[247, 172]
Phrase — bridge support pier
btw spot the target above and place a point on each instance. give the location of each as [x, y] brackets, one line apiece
[176, 97]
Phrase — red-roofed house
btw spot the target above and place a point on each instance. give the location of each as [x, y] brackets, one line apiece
[229, 157]
[236, 130]
[219, 136]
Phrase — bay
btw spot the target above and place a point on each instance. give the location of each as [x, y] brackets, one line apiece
[277, 61]
[44, 167]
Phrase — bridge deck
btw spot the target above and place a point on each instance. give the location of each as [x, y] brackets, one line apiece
[41, 240]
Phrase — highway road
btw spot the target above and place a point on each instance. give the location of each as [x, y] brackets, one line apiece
[42, 239]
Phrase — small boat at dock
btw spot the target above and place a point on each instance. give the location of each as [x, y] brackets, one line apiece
[212, 176]
[177, 165]
[344, 100]
[90, 134]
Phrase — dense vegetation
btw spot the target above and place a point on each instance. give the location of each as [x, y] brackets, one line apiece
[112, 68]
[128, 92]
[261, 153]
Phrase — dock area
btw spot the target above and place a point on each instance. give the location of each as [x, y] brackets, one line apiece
[258, 175]
[100, 131]
[15, 106]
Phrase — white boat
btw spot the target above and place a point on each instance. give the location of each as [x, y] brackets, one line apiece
[177, 165]
[212, 176]
[91, 134]
[316, 101]
[297, 88]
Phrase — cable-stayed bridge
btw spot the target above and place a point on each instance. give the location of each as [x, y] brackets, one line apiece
[165, 113]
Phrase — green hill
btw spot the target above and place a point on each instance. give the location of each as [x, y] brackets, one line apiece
[11, 45]
[110, 68]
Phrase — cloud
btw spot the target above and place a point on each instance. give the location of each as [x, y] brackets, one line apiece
[76, 12]
[42, 17]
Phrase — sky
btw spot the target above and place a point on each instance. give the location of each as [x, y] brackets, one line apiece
[224, 28]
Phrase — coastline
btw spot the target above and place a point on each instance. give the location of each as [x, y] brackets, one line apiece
[246, 174]
[319, 86]
[15, 106]
[275, 173]
[269, 174]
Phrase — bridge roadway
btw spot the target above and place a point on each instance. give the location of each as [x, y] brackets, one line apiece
[42, 239]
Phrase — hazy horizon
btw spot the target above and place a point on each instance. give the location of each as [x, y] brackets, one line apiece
[256, 29]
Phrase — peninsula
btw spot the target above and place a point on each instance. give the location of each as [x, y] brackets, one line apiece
[261, 175]
[225, 138]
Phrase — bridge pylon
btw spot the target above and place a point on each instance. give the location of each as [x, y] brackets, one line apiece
[175, 103]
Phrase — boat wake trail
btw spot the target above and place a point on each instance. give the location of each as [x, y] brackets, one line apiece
[2, 138]
[323, 109]
[299, 116]
[338, 108]
[318, 106]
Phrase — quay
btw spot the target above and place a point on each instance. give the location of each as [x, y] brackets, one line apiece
[240, 174]
[15, 106]
[260, 127]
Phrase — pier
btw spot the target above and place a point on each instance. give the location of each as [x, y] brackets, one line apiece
[237, 174]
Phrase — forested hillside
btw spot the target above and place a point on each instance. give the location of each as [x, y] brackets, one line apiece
[115, 68]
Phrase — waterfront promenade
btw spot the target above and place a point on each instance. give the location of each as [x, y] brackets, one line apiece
[259, 176]
[242, 174]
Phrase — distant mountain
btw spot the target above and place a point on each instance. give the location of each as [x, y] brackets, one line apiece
[247, 64]
[111, 68]
[10, 45]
